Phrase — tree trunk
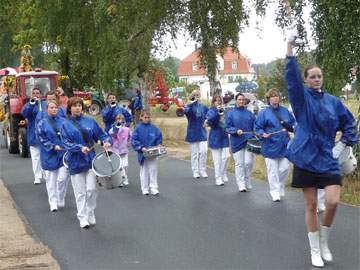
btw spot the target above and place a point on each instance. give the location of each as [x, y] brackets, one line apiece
[144, 90]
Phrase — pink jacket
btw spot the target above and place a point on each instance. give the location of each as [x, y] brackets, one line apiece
[121, 137]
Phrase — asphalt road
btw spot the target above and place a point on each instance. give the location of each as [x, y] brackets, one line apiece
[191, 225]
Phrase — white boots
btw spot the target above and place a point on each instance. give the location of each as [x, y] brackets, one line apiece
[319, 246]
[314, 241]
[324, 236]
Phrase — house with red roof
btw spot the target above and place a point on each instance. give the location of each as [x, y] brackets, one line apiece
[231, 67]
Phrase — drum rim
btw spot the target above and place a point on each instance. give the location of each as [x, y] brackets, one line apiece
[63, 160]
[344, 155]
[102, 175]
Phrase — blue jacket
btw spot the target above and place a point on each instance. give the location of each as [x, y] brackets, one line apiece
[30, 112]
[196, 115]
[73, 141]
[218, 138]
[137, 103]
[109, 114]
[145, 135]
[319, 116]
[267, 122]
[49, 136]
[239, 118]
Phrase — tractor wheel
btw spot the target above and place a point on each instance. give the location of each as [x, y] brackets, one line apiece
[164, 107]
[95, 108]
[12, 144]
[180, 112]
[22, 142]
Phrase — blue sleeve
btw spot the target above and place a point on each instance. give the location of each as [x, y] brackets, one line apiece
[61, 112]
[106, 114]
[99, 134]
[260, 124]
[42, 136]
[135, 140]
[229, 127]
[137, 103]
[292, 121]
[212, 117]
[27, 111]
[347, 125]
[113, 131]
[295, 84]
[67, 140]
[128, 117]
[188, 110]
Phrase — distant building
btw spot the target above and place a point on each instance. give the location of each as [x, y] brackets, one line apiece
[232, 66]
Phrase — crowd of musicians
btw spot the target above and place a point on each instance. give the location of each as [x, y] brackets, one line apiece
[315, 118]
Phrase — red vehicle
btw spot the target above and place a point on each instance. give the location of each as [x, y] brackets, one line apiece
[160, 93]
[14, 130]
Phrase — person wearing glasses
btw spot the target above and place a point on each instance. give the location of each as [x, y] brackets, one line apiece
[196, 134]
[319, 116]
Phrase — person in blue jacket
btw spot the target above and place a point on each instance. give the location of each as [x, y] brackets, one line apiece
[110, 112]
[319, 116]
[51, 95]
[147, 135]
[51, 155]
[196, 134]
[30, 113]
[79, 134]
[240, 125]
[137, 106]
[218, 139]
[273, 125]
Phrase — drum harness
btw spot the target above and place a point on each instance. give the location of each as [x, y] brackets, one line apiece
[282, 122]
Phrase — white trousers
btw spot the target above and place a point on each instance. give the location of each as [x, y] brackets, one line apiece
[148, 175]
[221, 159]
[36, 164]
[198, 156]
[85, 191]
[56, 185]
[244, 161]
[277, 171]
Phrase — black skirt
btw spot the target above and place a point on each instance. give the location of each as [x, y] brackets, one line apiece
[303, 179]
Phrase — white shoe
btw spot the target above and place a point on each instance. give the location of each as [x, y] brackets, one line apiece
[126, 182]
[203, 175]
[225, 179]
[84, 224]
[314, 241]
[154, 192]
[61, 203]
[242, 188]
[219, 181]
[276, 198]
[196, 175]
[92, 219]
[37, 181]
[145, 192]
[53, 208]
[325, 251]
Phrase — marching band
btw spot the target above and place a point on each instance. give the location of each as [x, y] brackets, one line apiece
[317, 116]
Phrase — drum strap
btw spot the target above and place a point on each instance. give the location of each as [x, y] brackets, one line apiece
[282, 122]
[85, 137]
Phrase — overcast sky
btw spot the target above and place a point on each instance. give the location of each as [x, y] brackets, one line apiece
[261, 46]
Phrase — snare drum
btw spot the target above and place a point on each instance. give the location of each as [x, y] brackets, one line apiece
[106, 164]
[155, 152]
[254, 146]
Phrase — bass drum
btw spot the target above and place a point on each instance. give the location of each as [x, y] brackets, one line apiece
[106, 164]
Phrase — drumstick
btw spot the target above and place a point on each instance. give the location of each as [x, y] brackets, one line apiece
[275, 132]
[107, 154]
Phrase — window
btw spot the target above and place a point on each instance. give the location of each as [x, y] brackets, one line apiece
[234, 65]
[194, 67]
[230, 79]
[43, 83]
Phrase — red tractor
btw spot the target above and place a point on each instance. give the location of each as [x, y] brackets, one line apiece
[18, 94]
[159, 93]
